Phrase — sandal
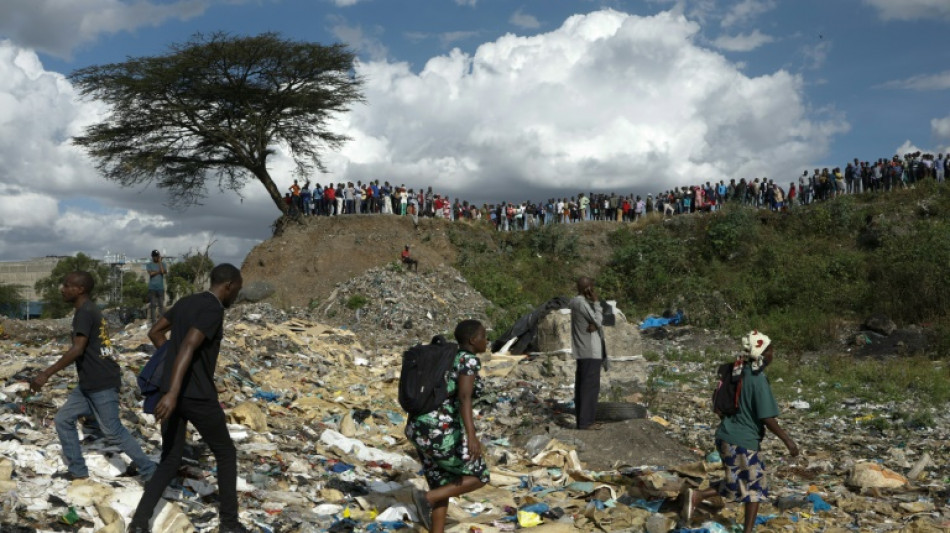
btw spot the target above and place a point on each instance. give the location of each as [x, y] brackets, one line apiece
[686, 513]
[423, 508]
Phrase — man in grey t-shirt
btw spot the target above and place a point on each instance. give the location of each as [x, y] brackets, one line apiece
[587, 346]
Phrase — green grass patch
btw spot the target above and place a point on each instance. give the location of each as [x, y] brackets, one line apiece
[357, 301]
[826, 381]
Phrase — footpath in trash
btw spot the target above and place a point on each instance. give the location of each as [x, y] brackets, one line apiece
[319, 433]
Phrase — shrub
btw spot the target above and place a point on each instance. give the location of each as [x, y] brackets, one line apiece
[356, 301]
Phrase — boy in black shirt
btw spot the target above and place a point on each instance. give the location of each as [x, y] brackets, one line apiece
[98, 391]
[195, 323]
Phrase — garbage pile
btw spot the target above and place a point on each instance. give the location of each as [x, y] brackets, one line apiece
[389, 306]
[319, 432]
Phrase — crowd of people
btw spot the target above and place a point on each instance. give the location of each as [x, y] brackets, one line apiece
[820, 184]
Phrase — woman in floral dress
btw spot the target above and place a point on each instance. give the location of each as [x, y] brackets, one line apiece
[445, 438]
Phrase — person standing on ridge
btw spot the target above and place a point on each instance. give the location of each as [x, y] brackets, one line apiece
[156, 271]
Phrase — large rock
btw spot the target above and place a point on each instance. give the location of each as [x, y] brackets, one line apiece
[256, 291]
[623, 347]
[622, 338]
[880, 324]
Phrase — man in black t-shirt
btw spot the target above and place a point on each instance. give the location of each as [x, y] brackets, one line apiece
[196, 326]
[98, 392]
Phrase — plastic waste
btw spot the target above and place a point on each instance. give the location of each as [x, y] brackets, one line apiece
[528, 519]
[818, 504]
[71, 516]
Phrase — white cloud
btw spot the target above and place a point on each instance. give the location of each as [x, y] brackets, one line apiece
[814, 56]
[923, 82]
[470, 3]
[345, 3]
[359, 40]
[450, 37]
[53, 201]
[743, 42]
[57, 26]
[908, 148]
[599, 103]
[745, 11]
[911, 9]
[524, 20]
[941, 127]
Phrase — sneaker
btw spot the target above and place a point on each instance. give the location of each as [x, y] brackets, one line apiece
[233, 529]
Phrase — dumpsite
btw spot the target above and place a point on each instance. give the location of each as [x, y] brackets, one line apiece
[310, 390]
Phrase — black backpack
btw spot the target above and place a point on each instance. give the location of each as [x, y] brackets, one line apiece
[422, 385]
[725, 399]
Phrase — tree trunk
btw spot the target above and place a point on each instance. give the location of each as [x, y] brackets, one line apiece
[272, 189]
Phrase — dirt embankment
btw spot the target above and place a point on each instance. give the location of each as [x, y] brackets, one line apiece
[308, 260]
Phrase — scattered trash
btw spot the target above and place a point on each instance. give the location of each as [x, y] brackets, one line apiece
[313, 412]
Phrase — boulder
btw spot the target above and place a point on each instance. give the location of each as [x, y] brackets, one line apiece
[256, 291]
[880, 324]
[622, 338]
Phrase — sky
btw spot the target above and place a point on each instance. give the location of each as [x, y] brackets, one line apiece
[483, 100]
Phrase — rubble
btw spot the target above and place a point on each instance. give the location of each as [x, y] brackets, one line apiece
[311, 400]
[388, 306]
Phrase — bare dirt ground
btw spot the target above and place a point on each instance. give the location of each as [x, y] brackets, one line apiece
[309, 259]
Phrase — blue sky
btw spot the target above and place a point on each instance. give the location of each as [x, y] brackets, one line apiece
[487, 100]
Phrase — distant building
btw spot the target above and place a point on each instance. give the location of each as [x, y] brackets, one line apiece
[27, 273]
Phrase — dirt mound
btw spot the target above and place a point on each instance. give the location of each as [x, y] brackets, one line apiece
[388, 303]
[307, 261]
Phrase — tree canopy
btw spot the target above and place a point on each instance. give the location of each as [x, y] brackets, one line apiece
[48, 288]
[216, 107]
[134, 288]
[188, 275]
[10, 299]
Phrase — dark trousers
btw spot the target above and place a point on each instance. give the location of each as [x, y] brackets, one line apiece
[208, 418]
[586, 391]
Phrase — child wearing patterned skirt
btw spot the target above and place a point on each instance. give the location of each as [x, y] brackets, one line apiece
[445, 438]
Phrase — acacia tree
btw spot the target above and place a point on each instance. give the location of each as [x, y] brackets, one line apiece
[10, 299]
[216, 107]
[48, 287]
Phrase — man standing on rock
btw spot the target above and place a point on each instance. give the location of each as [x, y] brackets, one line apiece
[97, 394]
[196, 326]
[587, 346]
[156, 271]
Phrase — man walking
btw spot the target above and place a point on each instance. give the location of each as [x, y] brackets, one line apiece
[98, 392]
[587, 346]
[196, 326]
[156, 285]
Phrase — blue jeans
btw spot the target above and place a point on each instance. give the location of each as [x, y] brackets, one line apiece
[104, 406]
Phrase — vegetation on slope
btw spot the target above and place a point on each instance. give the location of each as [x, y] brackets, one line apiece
[802, 275]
